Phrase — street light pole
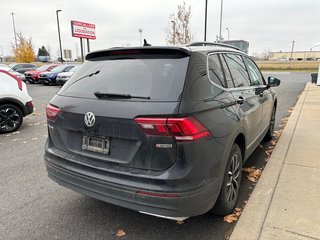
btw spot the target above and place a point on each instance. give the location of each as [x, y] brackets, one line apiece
[140, 31]
[57, 11]
[220, 36]
[205, 21]
[228, 33]
[14, 29]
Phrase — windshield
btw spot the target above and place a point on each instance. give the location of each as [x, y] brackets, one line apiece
[161, 79]
[74, 68]
[12, 65]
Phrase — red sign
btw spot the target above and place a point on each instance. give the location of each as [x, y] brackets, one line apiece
[83, 30]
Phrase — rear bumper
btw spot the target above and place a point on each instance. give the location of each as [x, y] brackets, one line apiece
[126, 191]
[28, 108]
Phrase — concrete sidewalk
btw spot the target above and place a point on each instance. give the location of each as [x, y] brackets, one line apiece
[285, 204]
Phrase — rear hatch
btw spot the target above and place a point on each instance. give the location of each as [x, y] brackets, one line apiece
[114, 109]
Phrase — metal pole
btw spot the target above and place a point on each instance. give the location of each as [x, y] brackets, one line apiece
[173, 32]
[88, 45]
[140, 31]
[57, 11]
[205, 21]
[14, 29]
[292, 50]
[228, 34]
[220, 36]
[81, 46]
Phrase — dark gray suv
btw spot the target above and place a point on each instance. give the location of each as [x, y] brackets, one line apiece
[160, 130]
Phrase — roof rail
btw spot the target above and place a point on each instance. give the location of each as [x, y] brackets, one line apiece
[212, 44]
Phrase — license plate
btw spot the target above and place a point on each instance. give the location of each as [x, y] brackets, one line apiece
[94, 144]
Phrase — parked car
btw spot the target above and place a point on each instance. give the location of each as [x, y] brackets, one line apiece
[32, 76]
[63, 77]
[23, 67]
[15, 102]
[49, 77]
[160, 130]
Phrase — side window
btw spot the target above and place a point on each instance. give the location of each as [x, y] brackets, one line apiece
[229, 79]
[254, 73]
[238, 70]
[215, 70]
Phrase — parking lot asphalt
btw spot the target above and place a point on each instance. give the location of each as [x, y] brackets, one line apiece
[34, 207]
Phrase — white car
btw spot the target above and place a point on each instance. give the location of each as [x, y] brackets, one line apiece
[10, 70]
[64, 76]
[15, 102]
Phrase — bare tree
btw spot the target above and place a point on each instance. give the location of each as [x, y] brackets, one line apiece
[178, 31]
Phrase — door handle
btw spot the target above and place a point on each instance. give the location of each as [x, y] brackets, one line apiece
[240, 100]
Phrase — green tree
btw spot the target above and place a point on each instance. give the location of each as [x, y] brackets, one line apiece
[178, 31]
[24, 51]
[43, 52]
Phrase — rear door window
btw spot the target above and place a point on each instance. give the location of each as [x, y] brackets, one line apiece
[238, 70]
[160, 77]
[229, 80]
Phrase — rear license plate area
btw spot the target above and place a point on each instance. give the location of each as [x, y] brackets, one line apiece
[96, 144]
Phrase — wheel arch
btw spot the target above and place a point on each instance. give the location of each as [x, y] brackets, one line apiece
[14, 102]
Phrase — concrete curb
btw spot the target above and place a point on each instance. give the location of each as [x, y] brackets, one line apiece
[250, 224]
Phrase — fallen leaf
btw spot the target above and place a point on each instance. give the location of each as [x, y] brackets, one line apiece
[253, 174]
[180, 222]
[16, 139]
[33, 139]
[120, 233]
[261, 146]
[15, 133]
[238, 209]
[230, 218]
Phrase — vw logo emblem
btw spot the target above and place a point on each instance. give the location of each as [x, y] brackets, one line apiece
[89, 119]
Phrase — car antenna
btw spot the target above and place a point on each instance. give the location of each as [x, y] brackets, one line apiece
[145, 44]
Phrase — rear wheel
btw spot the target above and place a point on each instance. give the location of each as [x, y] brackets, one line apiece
[231, 183]
[11, 118]
[269, 134]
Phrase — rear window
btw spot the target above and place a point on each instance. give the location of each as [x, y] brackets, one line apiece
[159, 77]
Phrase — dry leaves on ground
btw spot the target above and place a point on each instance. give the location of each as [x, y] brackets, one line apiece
[253, 173]
[233, 216]
[120, 233]
[180, 222]
[260, 146]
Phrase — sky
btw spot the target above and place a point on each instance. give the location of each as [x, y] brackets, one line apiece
[267, 25]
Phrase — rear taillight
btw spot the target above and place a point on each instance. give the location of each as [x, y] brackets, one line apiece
[182, 129]
[52, 112]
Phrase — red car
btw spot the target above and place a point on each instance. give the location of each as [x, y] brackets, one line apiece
[33, 75]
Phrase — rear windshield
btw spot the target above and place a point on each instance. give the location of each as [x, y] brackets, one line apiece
[160, 78]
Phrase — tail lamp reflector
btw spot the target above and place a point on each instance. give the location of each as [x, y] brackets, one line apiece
[182, 129]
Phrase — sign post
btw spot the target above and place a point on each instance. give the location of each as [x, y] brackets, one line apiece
[83, 30]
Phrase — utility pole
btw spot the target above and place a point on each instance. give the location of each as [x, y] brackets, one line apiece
[14, 30]
[220, 36]
[57, 12]
[292, 50]
[205, 21]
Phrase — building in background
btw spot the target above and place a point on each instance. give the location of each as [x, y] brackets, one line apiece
[295, 56]
[241, 44]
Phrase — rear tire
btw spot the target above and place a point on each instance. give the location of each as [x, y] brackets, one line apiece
[229, 192]
[11, 118]
[270, 131]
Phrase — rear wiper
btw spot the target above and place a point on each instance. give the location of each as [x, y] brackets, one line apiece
[117, 95]
[85, 76]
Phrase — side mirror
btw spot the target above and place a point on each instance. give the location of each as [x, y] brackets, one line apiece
[273, 82]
